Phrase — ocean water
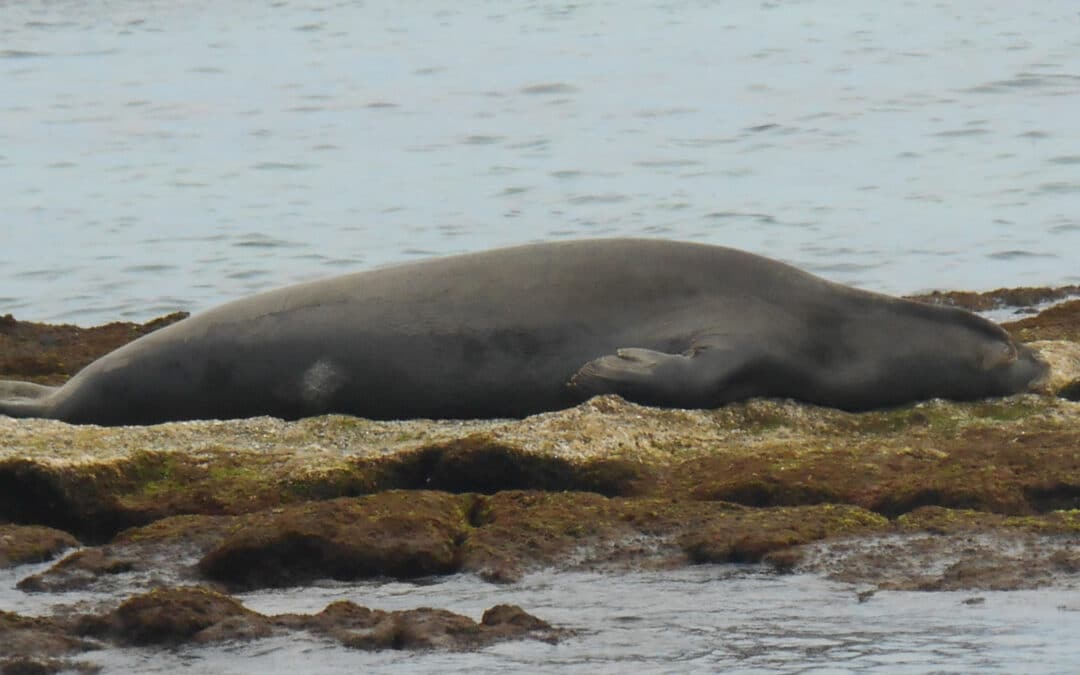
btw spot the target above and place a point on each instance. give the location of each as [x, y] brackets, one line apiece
[157, 156]
[704, 619]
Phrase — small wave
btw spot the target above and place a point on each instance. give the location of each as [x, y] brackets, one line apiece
[21, 54]
[479, 139]
[44, 275]
[567, 174]
[1017, 254]
[49, 24]
[549, 88]
[148, 268]
[533, 144]
[1059, 188]
[763, 218]
[958, 133]
[514, 190]
[247, 274]
[256, 240]
[1067, 226]
[1055, 81]
[667, 163]
[664, 112]
[611, 198]
[281, 166]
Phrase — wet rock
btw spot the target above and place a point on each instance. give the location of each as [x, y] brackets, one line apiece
[194, 615]
[517, 531]
[21, 544]
[759, 453]
[1061, 322]
[480, 462]
[34, 638]
[1023, 298]
[50, 354]
[1070, 391]
[175, 616]
[748, 536]
[424, 628]
[25, 666]
[394, 534]
[514, 617]
[77, 571]
[1063, 358]
[993, 559]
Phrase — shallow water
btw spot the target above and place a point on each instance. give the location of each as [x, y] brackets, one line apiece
[159, 156]
[698, 619]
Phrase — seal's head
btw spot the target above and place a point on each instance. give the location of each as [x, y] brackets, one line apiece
[1014, 368]
[971, 357]
[941, 352]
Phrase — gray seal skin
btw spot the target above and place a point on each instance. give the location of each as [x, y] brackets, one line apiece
[516, 331]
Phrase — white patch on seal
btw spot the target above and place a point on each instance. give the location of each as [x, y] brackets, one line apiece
[320, 382]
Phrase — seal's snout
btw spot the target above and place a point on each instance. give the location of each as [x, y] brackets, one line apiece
[1033, 372]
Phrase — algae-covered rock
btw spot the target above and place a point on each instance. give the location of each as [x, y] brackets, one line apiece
[21, 544]
[1061, 322]
[192, 615]
[749, 535]
[424, 628]
[398, 534]
[1064, 359]
[1012, 455]
[175, 616]
[50, 354]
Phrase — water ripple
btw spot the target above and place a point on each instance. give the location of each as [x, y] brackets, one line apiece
[550, 88]
[1018, 254]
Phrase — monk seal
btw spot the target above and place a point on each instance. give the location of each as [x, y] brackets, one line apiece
[516, 331]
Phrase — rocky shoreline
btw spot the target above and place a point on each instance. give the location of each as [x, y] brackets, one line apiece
[177, 517]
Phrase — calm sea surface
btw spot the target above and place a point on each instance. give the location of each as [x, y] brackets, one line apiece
[161, 155]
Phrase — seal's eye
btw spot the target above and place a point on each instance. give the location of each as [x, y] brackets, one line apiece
[997, 355]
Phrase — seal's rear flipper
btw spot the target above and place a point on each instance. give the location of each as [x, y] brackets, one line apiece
[13, 389]
[24, 399]
[657, 378]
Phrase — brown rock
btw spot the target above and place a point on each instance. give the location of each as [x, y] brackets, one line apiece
[77, 570]
[21, 544]
[26, 666]
[37, 638]
[424, 628]
[50, 354]
[174, 616]
[1061, 322]
[395, 534]
[747, 536]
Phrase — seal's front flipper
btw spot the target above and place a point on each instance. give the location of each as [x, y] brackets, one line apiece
[657, 378]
